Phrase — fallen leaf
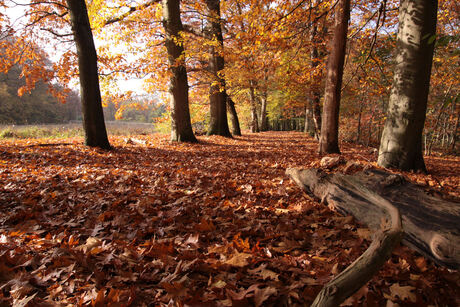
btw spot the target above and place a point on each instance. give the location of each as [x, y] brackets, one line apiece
[239, 259]
[205, 225]
[403, 292]
[24, 301]
[261, 295]
[264, 273]
[91, 243]
[421, 264]
[219, 284]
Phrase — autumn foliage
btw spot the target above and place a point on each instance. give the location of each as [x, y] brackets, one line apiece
[215, 223]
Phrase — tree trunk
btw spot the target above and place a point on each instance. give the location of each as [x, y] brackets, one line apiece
[263, 113]
[254, 122]
[263, 103]
[236, 130]
[309, 126]
[440, 112]
[317, 113]
[218, 124]
[329, 141]
[358, 132]
[93, 115]
[181, 127]
[401, 143]
[455, 135]
[315, 87]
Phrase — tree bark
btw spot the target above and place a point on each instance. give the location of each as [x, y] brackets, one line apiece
[236, 130]
[218, 124]
[315, 92]
[369, 263]
[329, 141]
[455, 135]
[430, 224]
[181, 126]
[309, 126]
[401, 142]
[93, 115]
[253, 101]
[263, 113]
[317, 114]
[263, 102]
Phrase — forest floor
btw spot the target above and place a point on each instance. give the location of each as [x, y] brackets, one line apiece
[218, 223]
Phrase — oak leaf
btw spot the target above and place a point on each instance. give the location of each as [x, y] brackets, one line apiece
[403, 292]
[239, 259]
[261, 295]
[264, 273]
[205, 225]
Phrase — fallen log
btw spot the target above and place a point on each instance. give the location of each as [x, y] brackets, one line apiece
[431, 225]
[369, 263]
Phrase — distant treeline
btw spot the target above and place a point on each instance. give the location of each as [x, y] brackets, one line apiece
[40, 107]
[139, 110]
[36, 107]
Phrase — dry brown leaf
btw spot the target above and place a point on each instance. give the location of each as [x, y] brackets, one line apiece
[238, 259]
[264, 273]
[91, 243]
[261, 295]
[403, 292]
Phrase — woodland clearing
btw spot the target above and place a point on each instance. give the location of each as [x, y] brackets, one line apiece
[216, 223]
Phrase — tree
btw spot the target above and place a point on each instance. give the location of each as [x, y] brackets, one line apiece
[401, 143]
[329, 140]
[93, 116]
[217, 97]
[263, 125]
[249, 59]
[52, 17]
[315, 93]
[181, 127]
[236, 130]
[140, 19]
[253, 101]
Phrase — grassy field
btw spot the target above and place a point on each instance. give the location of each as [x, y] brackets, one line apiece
[71, 130]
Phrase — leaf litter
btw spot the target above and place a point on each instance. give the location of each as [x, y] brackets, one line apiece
[154, 223]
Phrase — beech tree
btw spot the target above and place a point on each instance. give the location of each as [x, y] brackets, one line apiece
[254, 125]
[217, 97]
[314, 105]
[54, 18]
[236, 129]
[401, 143]
[142, 16]
[181, 127]
[329, 140]
[93, 116]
